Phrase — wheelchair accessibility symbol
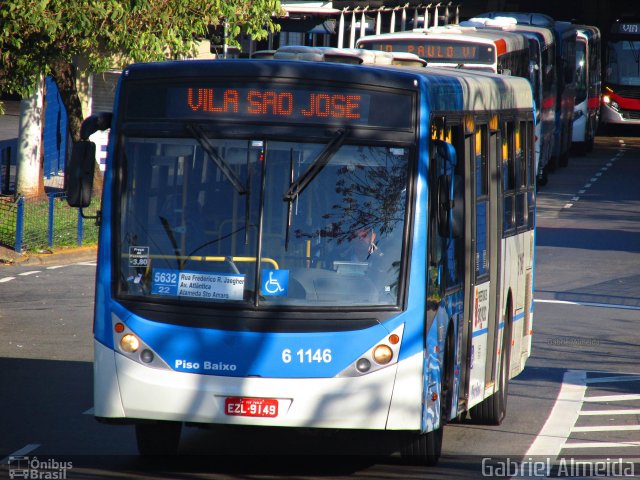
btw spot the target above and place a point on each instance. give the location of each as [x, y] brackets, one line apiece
[275, 283]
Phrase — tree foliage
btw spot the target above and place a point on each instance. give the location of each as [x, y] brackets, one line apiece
[50, 37]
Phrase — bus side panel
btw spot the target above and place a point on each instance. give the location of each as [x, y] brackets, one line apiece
[511, 249]
[406, 408]
[107, 402]
[518, 281]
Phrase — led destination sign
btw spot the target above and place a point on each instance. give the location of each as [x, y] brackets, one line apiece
[271, 103]
[438, 50]
[285, 104]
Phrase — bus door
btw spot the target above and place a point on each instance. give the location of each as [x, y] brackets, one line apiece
[481, 143]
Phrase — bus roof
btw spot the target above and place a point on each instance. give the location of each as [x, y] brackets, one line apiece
[347, 55]
[504, 41]
[447, 89]
[591, 32]
[527, 18]
[545, 34]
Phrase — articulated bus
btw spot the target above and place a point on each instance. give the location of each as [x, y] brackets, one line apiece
[311, 245]
[565, 39]
[621, 86]
[586, 115]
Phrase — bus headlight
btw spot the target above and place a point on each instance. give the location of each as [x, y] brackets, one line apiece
[129, 343]
[382, 354]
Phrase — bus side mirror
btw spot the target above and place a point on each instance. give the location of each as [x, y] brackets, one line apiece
[79, 174]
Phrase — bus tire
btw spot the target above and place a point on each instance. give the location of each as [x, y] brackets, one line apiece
[424, 448]
[158, 438]
[492, 410]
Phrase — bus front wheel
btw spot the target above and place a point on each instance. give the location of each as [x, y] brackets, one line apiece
[158, 438]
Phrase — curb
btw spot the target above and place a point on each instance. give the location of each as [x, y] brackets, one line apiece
[64, 256]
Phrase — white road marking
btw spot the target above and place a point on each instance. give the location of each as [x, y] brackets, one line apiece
[563, 416]
[6, 279]
[606, 428]
[32, 272]
[18, 453]
[604, 413]
[55, 267]
[602, 444]
[611, 398]
[589, 304]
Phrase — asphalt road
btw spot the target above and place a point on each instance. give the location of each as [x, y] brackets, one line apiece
[578, 396]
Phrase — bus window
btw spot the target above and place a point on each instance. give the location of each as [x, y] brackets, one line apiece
[482, 203]
[508, 176]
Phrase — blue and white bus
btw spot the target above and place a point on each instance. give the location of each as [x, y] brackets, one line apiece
[311, 245]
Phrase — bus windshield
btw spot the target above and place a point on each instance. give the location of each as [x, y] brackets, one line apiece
[262, 222]
[581, 72]
[623, 67]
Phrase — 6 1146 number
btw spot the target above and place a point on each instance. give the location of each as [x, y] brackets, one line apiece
[307, 356]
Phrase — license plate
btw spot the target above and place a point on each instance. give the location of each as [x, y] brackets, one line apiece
[251, 407]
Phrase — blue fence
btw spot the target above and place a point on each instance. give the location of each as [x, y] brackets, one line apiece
[42, 223]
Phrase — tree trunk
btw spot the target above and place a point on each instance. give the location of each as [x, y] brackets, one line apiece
[64, 74]
[29, 181]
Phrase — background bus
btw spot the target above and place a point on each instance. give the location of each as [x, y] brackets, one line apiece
[586, 115]
[621, 87]
[565, 39]
[542, 75]
[280, 249]
[458, 46]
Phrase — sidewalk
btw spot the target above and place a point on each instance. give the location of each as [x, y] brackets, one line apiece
[9, 257]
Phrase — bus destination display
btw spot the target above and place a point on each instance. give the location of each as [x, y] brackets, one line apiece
[439, 50]
[271, 103]
[283, 104]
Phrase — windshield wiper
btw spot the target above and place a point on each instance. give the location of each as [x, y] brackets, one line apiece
[224, 167]
[316, 166]
[309, 174]
[169, 231]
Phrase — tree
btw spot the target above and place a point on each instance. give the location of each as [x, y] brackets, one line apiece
[50, 37]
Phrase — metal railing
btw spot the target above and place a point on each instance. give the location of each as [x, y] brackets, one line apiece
[44, 222]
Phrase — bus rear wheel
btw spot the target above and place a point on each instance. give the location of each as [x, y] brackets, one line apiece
[158, 438]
